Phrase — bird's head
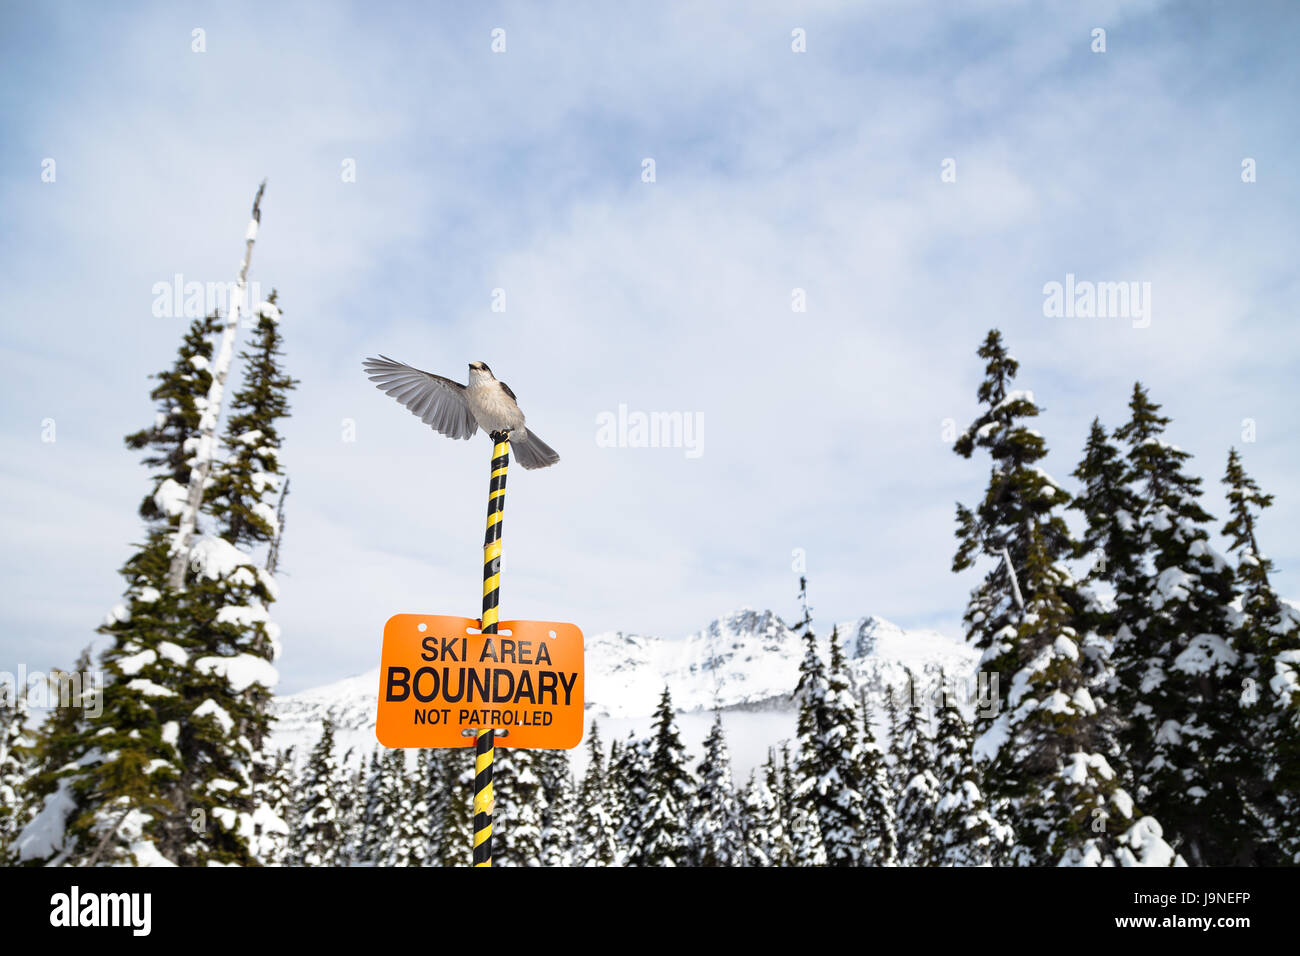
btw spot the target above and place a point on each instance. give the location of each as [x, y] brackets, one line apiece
[479, 371]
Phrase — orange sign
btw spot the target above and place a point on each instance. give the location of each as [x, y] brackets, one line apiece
[440, 676]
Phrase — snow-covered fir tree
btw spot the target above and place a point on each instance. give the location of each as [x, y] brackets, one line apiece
[829, 762]
[595, 834]
[181, 397]
[804, 828]
[894, 751]
[430, 764]
[665, 834]
[273, 814]
[316, 836]
[14, 766]
[165, 771]
[766, 830]
[758, 809]
[716, 834]
[392, 838]
[453, 830]
[1020, 503]
[633, 790]
[372, 839]
[349, 789]
[1114, 549]
[965, 831]
[809, 767]
[117, 797]
[1112, 540]
[1179, 676]
[1268, 637]
[520, 808]
[411, 822]
[1079, 814]
[777, 781]
[230, 636]
[919, 793]
[559, 808]
[47, 789]
[878, 798]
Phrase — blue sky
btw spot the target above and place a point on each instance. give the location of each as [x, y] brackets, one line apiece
[521, 171]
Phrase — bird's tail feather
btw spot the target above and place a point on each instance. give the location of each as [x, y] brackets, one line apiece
[530, 451]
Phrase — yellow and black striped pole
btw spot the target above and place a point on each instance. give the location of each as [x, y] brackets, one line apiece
[485, 749]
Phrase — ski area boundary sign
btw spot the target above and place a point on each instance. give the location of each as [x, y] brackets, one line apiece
[440, 676]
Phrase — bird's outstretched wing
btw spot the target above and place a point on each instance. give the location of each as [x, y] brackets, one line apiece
[438, 402]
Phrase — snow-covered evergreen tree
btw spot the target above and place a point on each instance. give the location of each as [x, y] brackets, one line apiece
[273, 816]
[1112, 539]
[431, 766]
[349, 790]
[810, 767]
[167, 771]
[665, 835]
[1081, 815]
[1114, 546]
[521, 806]
[410, 822]
[47, 789]
[804, 831]
[831, 788]
[229, 632]
[894, 751]
[776, 779]
[453, 833]
[14, 766]
[373, 840]
[880, 837]
[316, 836]
[1017, 514]
[716, 831]
[758, 808]
[1268, 637]
[560, 809]
[965, 831]
[916, 800]
[1179, 675]
[633, 789]
[1019, 505]
[595, 840]
[116, 797]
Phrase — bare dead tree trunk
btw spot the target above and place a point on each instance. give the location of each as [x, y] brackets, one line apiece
[273, 556]
[206, 450]
[108, 834]
[1015, 584]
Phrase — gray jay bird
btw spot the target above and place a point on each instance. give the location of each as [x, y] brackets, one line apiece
[457, 410]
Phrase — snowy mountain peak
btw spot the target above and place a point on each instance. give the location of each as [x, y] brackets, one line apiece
[860, 638]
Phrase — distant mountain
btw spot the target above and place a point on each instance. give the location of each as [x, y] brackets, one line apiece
[746, 660]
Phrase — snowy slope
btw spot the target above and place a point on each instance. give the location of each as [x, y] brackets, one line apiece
[745, 661]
